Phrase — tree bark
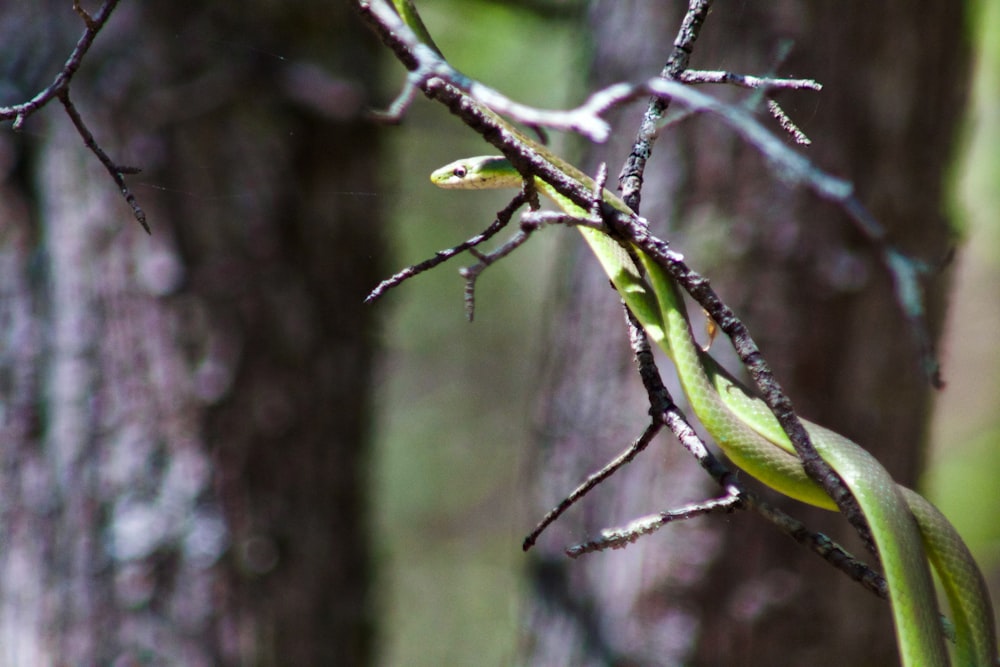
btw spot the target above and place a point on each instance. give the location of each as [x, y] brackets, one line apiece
[186, 414]
[732, 591]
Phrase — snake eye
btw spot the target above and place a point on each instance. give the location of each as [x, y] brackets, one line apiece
[459, 172]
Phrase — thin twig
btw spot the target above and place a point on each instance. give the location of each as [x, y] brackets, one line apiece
[59, 88]
[471, 273]
[630, 178]
[694, 76]
[787, 124]
[94, 24]
[612, 466]
[619, 538]
[821, 545]
[117, 171]
[531, 221]
[442, 256]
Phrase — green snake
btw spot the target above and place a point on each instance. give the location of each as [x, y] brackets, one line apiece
[907, 530]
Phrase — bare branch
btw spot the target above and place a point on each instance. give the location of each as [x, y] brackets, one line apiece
[619, 538]
[59, 88]
[87, 18]
[594, 479]
[117, 171]
[787, 124]
[426, 65]
[631, 175]
[531, 222]
[19, 112]
[694, 76]
[442, 256]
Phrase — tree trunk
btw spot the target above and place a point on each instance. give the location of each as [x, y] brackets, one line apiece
[185, 421]
[733, 591]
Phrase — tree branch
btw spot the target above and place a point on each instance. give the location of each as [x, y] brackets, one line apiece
[59, 88]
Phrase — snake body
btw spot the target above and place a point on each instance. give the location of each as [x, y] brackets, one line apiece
[907, 530]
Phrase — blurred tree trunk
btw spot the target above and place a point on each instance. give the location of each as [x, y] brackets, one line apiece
[733, 591]
[185, 415]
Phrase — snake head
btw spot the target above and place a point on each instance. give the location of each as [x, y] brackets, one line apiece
[485, 172]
